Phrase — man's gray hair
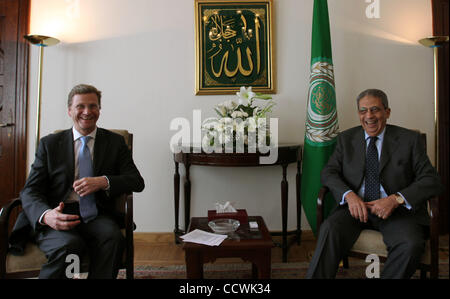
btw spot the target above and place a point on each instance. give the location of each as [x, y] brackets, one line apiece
[377, 93]
[83, 89]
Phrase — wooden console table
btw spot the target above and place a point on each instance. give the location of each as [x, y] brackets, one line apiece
[287, 153]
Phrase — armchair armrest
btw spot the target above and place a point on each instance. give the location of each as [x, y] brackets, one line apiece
[124, 204]
[434, 214]
[129, 224]
[5, 214]
[129, 227]
[6, 210]
[434, 235]
[321, 205]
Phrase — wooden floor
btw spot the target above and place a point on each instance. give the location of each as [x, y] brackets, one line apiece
[159, 249]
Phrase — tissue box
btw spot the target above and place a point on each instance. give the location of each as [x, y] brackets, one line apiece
[240, 215]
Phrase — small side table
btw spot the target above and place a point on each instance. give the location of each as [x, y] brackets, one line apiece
[287, 153]
[253, 246]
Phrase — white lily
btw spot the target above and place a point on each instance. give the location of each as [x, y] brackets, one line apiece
[230, 105]
[239, 114]
[245, 95]
[234, 123]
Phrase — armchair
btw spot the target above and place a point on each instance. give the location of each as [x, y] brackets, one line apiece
[29, 264]
[371, 241]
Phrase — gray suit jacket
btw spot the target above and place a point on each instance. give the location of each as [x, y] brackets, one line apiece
[404, 167]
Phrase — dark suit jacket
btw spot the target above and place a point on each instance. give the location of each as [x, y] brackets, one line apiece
[52, 173]
[404, 167]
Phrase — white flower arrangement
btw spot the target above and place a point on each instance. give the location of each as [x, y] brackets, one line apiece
[242, 122]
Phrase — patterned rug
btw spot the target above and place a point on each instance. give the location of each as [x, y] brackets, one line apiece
[357, 270]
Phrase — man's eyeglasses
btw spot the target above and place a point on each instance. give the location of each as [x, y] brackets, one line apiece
[373, 109]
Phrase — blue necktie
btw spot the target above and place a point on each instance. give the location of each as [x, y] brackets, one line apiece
[88, 207]
[372, 184]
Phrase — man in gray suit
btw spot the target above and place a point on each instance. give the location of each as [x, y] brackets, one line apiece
[381, 178]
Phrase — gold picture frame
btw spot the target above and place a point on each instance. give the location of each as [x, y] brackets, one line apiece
[234, 46]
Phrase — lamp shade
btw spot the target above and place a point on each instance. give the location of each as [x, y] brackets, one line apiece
[433, 41]
[41, 40]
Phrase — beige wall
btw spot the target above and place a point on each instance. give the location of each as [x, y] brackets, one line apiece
[141, 54]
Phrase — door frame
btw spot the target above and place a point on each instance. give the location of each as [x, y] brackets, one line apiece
[21, 126]
[440, 27]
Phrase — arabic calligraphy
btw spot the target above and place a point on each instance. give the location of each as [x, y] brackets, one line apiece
[234, 46]
[232, 41]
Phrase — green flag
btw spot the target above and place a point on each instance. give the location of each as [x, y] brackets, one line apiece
[321, 120]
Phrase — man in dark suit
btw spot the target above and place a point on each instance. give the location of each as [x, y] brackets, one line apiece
[381, 178]
[56, 188]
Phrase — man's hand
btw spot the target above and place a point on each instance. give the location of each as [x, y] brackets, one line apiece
[383, 207]
[59, 221]
[88, 185]
[357, 207]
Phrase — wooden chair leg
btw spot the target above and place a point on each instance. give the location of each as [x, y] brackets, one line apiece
[434, 270]
[345, 262]
[130, 263]
[423, 273]
[130, 272]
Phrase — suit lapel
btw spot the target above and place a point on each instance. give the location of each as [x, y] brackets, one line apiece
[359, 144]
[67, 154]
[67, 158]
[389, 144]
[100, 147]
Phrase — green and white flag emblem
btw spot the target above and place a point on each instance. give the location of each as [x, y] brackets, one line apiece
[321, 121]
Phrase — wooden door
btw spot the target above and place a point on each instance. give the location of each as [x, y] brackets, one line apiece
[14, 16]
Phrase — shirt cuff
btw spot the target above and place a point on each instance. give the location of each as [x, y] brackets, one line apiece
[107, 180]
[42, 217]
[407, 205]
[343, 197]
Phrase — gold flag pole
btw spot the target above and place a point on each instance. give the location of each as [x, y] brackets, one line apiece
[40, 41]
[435, 42]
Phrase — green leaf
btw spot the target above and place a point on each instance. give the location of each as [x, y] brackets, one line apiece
[218, 112]
[263, 96]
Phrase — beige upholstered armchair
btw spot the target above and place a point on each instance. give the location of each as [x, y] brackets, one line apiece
[371, 241]
[29, 264]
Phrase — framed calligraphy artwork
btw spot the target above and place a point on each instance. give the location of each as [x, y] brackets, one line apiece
[233, 46]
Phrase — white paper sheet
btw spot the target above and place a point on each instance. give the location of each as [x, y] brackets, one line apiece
[201, 237]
